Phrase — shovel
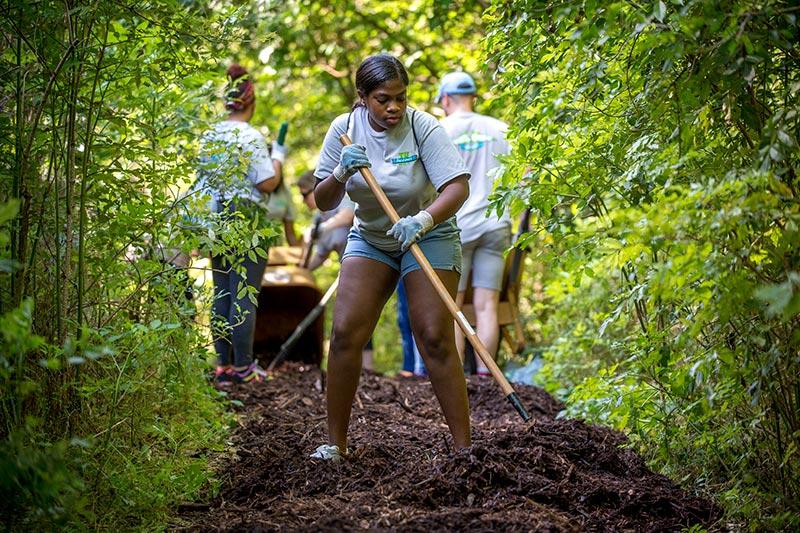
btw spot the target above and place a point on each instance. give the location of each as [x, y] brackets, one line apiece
[458, 316]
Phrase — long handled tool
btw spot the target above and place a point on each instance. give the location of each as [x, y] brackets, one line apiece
[301, 328]
[480, 349]
[282, 133]
[308, 249]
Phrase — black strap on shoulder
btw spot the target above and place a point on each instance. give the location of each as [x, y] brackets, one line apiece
[416, 143]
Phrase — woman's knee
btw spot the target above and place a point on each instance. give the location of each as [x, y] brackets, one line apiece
[436, 343]
[486, 300]
[348, 338]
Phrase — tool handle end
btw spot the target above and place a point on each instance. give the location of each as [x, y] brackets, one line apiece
[282, 133]
[514, 400]
[277, 360]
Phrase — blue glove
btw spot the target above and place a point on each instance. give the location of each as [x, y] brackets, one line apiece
[353, 157]
[408, 230]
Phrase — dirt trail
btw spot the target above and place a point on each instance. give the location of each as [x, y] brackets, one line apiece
[550, 475]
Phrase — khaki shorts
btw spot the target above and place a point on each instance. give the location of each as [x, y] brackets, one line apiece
[483, 260]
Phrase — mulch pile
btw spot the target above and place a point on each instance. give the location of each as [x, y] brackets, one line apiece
[548, 475]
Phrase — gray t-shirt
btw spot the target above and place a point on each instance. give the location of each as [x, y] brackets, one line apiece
[479, 139]
[397, 165]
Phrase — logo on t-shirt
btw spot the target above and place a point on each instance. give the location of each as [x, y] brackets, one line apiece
[403, 158]
[471, 141]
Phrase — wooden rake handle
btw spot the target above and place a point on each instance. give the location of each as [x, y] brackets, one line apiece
[458, 316]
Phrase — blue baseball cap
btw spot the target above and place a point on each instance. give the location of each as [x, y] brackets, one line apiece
[456, 83]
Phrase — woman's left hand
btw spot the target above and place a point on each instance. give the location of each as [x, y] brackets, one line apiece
[408, 230]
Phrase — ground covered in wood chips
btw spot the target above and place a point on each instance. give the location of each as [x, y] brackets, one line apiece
[546, 475]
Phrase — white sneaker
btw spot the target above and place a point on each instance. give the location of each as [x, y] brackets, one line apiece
[327, 452]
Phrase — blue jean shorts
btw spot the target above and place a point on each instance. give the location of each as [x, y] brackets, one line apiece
[441, 246]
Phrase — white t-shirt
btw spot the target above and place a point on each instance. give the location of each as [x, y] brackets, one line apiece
[234, 158]
[397, 165]
[479, 140]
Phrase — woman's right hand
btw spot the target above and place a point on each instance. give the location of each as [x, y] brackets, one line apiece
[353, 157]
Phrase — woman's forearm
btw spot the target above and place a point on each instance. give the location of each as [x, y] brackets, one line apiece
[450, 199]
[277, 166]
[328, 193]
[291, 234]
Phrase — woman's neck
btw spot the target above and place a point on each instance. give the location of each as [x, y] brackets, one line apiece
[375, 125]
[239, 116]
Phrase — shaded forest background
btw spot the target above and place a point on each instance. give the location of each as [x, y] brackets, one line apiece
[654, 142]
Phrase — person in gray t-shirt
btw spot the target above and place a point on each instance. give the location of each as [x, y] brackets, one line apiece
[425, 179]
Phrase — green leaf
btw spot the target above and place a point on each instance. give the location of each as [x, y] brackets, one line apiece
[660, 11]
[241, 293]
[8, 210]
[776, 297]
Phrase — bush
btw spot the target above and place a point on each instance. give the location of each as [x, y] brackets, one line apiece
[659, 153]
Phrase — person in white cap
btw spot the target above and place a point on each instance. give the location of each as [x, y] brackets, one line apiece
[484, 236]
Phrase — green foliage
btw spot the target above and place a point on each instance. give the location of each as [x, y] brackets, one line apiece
[107, 416]
[658, 144]
[658, 147]
[33, 476]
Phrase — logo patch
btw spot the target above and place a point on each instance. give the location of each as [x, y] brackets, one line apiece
[403, 158]
[471, 141]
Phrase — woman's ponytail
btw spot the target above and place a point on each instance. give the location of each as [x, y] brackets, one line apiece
[240, 93]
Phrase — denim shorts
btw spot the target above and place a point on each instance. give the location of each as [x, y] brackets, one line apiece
[441, 246]
[483, 260]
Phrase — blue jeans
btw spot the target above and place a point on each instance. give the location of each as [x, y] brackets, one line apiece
[237, 314]
[404, 325]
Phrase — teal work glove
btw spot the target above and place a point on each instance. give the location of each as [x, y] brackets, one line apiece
[408, 230]
[353, 157]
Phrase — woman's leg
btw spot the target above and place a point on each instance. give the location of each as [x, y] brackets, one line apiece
[220, 310]
[433, 329]
[486, 303]
[365, 285]
[243, 311]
